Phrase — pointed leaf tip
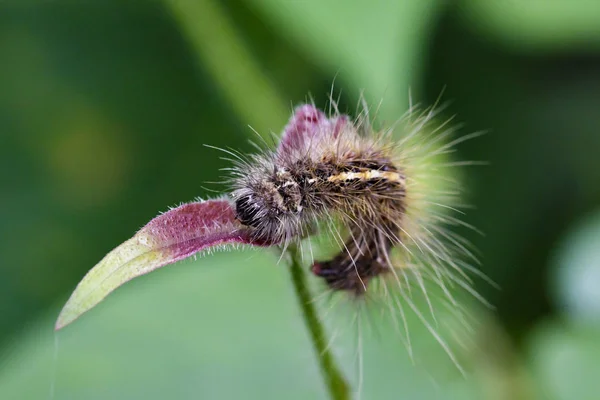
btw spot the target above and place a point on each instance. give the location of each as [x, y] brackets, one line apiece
[170, 237]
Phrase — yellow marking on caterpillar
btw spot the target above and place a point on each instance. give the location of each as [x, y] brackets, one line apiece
[366, 175]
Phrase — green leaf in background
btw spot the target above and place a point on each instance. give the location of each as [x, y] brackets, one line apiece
[375, 45]
[576, 271]
[224, 327]
[564, 351]
[563, 358]
[537, 24]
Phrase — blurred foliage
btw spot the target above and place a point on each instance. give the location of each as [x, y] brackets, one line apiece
[104, 110]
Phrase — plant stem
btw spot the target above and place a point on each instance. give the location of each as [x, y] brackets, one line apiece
[334, 379]
[220, 50]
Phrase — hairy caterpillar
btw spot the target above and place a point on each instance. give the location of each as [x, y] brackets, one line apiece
[388, 194]
[333, 168]
[322, 168]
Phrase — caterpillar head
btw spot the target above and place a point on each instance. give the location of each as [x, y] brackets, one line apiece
[271, 204]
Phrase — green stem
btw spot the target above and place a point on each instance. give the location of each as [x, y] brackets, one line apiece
[334, 379]
[220, 50]
[256, 101]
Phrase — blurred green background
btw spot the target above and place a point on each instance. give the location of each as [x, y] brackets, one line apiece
[104, 110]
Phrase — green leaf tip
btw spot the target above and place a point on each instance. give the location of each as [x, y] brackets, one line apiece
[170, 237]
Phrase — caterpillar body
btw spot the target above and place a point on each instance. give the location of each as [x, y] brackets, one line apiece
[334, 168]
[386, 199]
[324, 168]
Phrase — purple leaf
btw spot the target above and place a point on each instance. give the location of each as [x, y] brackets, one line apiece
[307, 124]
[170, 237]
[307, 127]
